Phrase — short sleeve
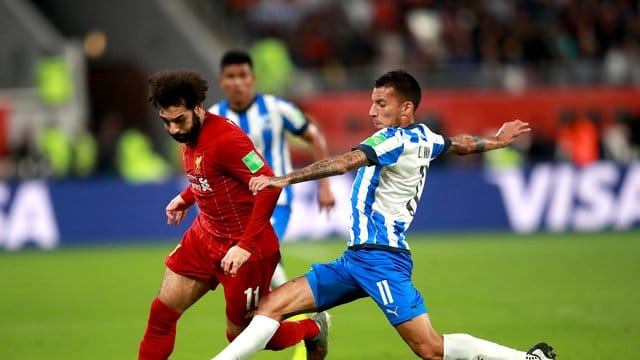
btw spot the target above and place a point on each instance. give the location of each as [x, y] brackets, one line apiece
[440, 143]
[293, 118]
[383, 148]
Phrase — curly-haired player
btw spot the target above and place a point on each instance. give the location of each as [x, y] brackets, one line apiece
[231, 241]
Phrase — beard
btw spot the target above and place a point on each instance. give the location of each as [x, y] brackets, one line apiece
[191, 136]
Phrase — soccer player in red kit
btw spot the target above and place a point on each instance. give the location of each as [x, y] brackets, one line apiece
[231, 241]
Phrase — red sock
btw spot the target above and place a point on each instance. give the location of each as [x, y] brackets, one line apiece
[160, 335]
[291, 332]
[229, 336]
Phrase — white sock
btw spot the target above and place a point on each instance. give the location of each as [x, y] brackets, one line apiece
[279, 276]
[467, 347]
[251, 340]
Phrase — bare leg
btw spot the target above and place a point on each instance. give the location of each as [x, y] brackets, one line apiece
[422, 338]
[180, 292]
[292, 298]
[427, 344]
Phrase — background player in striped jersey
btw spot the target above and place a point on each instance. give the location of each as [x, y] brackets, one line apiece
[392, 167]
[266, 118]
[231, 241]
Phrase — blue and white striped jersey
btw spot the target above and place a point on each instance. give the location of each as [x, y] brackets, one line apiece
[265, 121]
[384, 196]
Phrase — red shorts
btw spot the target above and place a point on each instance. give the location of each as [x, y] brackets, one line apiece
[198, 256]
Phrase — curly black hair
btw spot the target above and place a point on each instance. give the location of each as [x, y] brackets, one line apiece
[177, 87]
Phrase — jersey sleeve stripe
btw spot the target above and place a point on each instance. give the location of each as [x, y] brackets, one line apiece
[368, 150]
[293, 119]
[222, 110]
[243, 122]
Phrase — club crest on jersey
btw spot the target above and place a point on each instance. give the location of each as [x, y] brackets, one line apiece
[197, 163]
[253, 161]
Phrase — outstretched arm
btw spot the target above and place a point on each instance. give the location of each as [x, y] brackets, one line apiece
[469, 144]
[334, 165]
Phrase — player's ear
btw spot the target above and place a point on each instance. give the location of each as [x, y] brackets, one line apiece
[199, 110]
[407, 108]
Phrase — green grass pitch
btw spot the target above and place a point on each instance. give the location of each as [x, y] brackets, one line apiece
[579, 292]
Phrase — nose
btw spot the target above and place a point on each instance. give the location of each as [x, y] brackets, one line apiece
[173, 129]
[372, 112]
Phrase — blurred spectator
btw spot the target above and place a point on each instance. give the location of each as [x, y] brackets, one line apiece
[578, 139]
[65, 156]
[85, 155]
[616, 139]
[136, 160]
[110, 126]
[127, 151]
[57, 148]
[441, 34]
[271, 60]
[26, 159]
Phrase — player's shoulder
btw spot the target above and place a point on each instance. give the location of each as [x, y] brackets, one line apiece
[218, 128]
[422, 130]
[214, 109]
[277, 101]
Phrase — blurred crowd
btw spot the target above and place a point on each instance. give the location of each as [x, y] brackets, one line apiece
[455, 35]
[581, 139]
[336, 37]
[129, 152]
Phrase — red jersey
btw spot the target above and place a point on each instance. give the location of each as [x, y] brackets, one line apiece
[218, 168]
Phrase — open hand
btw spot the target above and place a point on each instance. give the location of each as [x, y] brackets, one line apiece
[511, 130]
[262, 182]
[176, 210]
[233, 259]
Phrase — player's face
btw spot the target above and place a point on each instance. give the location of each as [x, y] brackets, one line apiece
[237, 81]
[387, 110]
[181, 123]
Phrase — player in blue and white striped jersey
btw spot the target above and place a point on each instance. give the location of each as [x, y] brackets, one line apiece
[392, 168]
[266, 118]
[384, 197]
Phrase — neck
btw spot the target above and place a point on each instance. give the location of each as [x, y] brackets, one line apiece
[242, 104]
[406, 122]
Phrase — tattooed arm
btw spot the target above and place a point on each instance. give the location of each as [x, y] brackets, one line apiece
[333, 165]
[468, 144]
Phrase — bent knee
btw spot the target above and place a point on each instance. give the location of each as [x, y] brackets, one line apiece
[428, 350]
[271, 308]
[233, 330]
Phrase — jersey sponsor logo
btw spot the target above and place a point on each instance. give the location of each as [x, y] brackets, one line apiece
[561, 197]
[252, 161]
[27, 216]
[199, 183]
[375, 140]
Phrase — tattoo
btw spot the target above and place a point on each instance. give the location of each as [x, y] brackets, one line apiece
[334, 165]
[479, 143]
[469, 144]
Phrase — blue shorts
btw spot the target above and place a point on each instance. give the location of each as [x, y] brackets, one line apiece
[384, 276]
[280, 220]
